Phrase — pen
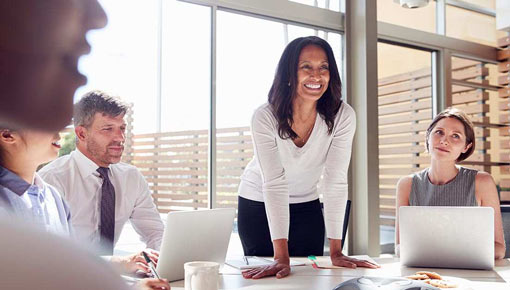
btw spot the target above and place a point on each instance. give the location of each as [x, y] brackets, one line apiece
[151, 265]
[246, 260]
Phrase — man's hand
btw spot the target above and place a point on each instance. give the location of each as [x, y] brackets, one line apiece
[279, 268]
[152, 283]
[133, 263]
[338, 259]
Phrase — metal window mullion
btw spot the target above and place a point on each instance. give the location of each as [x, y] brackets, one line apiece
[441, 80]
[441, 17]
[212, 124]
[159, 65]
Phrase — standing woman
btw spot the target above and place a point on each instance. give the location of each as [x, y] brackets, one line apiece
[303, 132]
[450, 138]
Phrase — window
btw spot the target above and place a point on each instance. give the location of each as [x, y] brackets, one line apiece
[405, 111]
[246, 64]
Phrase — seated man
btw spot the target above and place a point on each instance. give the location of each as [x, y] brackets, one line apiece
[103, 193]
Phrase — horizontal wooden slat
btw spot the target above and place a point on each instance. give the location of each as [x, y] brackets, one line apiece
[182, 204]
[406, 96]
[190, 156]
[388, 181]
[469, 73]
[190, 188]
[406, 86]
[405, 76]
[504, 66]
[226, 139]
[399, 171]
[504, 92]
[401, 150]
[468, 97]
[504, 54]
[192, 132]
[197, 172]
[405, 160]
[505, 195]
[201, 148]
[462, 63]
[408, 138]
[504, 183]
[504, 79]
[408, 117]
[403, 129]
[504, 105]
[473, 108]
[504, 117]
[504, 41]
[409, 149]
[219, 180]
[504, 144]
[393, 109]
[505, 131]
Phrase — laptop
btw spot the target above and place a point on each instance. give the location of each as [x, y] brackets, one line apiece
[199, 235]
[447, 237]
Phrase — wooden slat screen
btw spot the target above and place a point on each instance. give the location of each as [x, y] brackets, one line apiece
[405, 111]
[175, 165]
[504, 116]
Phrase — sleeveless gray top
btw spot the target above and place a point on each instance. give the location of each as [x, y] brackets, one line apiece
[458, 192]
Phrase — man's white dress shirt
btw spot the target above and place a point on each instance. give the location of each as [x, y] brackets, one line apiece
[77, 180]
[281, 173]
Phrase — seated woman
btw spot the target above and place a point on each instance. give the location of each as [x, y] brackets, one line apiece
[450, 138]
[24, 194]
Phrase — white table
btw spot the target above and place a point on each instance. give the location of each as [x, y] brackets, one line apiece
[307, 277]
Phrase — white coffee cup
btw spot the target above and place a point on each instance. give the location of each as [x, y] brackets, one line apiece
[201, 275]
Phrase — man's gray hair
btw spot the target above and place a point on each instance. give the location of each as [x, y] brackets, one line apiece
[97, 102]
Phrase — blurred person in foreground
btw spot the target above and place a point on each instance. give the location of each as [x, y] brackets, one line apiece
[40, 44]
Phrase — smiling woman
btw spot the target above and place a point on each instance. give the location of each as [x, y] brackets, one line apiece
[303, 131]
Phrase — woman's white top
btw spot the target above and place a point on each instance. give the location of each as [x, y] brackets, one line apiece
[282, 173]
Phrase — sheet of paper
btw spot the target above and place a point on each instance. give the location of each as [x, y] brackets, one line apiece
[325, 262]
[254, 261]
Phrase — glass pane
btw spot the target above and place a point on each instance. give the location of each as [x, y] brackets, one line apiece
[491, 4]
[245, 72]
[471, 26]
[391, 12]
[483, 108]
[123, 60]
[326, 4]
[179, 176]
[405, 111]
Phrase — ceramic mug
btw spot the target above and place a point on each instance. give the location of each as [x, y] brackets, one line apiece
[201, 275]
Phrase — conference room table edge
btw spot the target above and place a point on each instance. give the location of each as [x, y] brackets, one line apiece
[308, 277]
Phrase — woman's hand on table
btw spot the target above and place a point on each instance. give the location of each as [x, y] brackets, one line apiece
[338, 259]
[279, 268]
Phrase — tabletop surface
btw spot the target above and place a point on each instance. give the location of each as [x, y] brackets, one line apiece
[307, 277]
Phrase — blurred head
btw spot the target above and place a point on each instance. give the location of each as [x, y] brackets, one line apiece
[450, 136]
[40, 44]
[307, 70]
[100, 127]
[28, 147]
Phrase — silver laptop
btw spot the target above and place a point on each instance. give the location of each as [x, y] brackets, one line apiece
[199, 235]
[447, 237]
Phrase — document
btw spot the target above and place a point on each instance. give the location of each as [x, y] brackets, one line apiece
[325, 262]
[249, 262]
